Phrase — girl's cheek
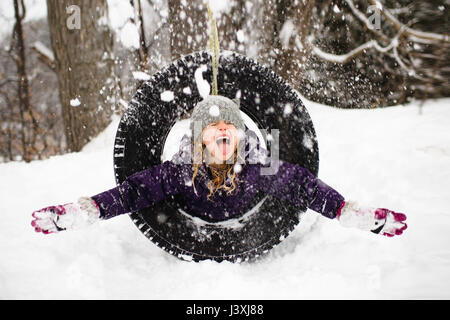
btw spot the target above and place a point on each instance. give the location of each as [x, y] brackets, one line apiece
[233, 131]
[210, 149]
[234, 134]
[208, 140]
[207, 137]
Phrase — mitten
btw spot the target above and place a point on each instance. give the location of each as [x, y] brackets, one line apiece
[377, 220]
[70, 216]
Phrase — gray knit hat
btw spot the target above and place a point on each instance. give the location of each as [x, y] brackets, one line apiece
[215, 108]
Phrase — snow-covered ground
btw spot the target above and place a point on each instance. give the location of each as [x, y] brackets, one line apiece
[391, 157]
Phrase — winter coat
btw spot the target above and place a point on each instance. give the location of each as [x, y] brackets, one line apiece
[290, 183]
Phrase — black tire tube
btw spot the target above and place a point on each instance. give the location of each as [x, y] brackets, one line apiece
[147, 121]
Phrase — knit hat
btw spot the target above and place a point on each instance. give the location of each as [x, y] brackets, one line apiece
[212, 109]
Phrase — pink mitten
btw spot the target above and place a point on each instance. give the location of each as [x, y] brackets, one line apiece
[377, 220]
[394, 225]
[68, 216]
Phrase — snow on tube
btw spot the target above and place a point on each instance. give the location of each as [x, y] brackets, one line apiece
[169, 95]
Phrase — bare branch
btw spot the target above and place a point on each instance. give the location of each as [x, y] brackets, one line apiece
[402, 10]
[428, 56]
[342, 58]
[400, 62]
[7, 80]
[361, 16]
[345, 58]
[45, 54]
[24, 10]
[417, 34]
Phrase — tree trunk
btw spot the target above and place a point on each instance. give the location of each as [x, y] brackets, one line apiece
[23, 88]
[280, 32]
[232, 22]
[84, 62]
[284, 27]
[188, 27]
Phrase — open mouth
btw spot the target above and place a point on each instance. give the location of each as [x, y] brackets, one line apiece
[223, 140]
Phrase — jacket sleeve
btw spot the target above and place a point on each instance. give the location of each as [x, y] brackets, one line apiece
[297, 185]
[141, 190]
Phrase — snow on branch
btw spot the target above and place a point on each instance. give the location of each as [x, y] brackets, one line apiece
[395, 49]
[344, 58]
[400, 62]
[417, 34]
[45, 54]
[361, 16]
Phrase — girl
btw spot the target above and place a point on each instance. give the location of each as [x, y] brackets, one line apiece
[218, 170]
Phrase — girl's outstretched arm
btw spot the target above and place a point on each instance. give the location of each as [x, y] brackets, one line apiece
[137, 192]
[141, 190]
[299, 186]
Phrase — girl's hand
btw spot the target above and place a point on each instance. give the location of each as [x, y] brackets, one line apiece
[394, 225]
[45, 220]
[378, 220]
[68, 216]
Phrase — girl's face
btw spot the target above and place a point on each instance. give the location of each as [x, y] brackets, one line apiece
[221, 140]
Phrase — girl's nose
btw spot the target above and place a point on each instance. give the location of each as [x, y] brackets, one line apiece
[222, 125]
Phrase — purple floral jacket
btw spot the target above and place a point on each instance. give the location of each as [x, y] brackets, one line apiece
[290, 183]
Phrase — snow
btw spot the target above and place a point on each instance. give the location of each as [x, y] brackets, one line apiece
[393, 157]
[120, 17]
[75, 102]
[119, 13]
[35, 10]
[286, 33]
[187, 91]
[203, 86]
[240, 36]
[219, 7]
[129, 35]
[139, 75]
[287, 109]
[164, 13]
[336, 9]
[44, 50]
[167, 96]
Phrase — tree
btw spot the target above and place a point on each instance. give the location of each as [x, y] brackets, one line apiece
[284, 28]
[83, 43]
[17, 53]
[330, 51]
[377, 53]
[188, 27]
[269, 30]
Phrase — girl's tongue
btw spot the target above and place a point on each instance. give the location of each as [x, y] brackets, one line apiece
[224, 145]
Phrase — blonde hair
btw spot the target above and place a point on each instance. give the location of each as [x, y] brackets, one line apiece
[220, 172]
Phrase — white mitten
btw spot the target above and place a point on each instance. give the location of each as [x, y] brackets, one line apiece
[377, 220]
[70, 216]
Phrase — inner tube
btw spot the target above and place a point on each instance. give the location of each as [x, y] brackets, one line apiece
[264, 97]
